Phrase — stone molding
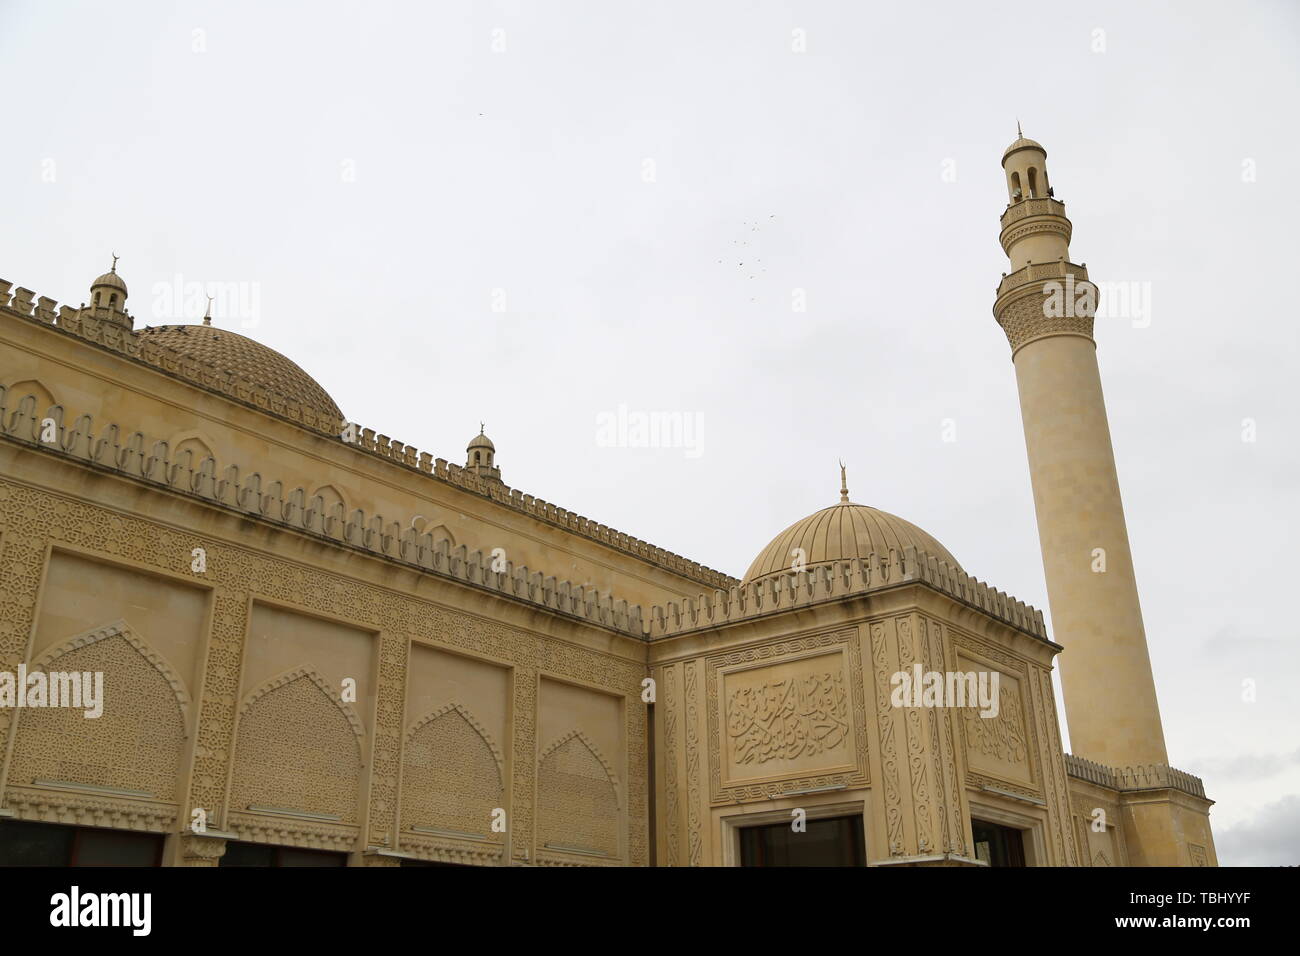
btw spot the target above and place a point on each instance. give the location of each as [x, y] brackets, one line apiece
[1142, 777]
[248, 496]
[96, 327]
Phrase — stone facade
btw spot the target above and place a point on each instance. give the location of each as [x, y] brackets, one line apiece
[313, 636]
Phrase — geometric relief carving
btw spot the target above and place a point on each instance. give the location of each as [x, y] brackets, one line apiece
[31, 517]
[1198, 855]
[1100, 859]
[297, 748]
[136, 742]
[577, 797]
[451, 774]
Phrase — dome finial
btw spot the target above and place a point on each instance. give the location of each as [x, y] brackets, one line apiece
[207, 316]
[1019, 132]
[844, 484]
[481, 426]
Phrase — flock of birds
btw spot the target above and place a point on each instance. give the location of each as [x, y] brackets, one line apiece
[753, 227]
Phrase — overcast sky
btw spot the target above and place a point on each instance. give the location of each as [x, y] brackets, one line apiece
[535, 213]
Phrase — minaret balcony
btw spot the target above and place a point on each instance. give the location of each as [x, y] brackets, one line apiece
[1034, 217]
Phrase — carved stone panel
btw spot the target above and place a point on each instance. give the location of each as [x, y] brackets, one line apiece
[786, 717]
[998, 745]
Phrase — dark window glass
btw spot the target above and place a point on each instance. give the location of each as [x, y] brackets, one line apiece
[45, 844]
[261, 854]
[998, 845]
[35, 844]
[835, 841]
[116, 848]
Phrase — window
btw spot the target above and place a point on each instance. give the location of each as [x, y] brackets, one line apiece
[44, 844]
[1016, 194]
[833, 841]
[262, 854]
[998, 845]
[1033, 183]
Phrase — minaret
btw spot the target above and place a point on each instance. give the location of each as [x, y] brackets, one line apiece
[1046, 305]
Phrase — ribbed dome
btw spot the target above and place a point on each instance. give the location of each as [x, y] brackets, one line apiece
[843, 532]
[111, 279]
[249, 360]
[1023, 143]
[481, 441]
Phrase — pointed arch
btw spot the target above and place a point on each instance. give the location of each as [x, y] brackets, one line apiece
[298, 747]
[595, 752]
[33, 387]
[198, 443]
[137, 741]
[331, 497]
[578, 805]
[453, 774]
[440, 532]
[442, 711]
[308, 673]
[119, 628]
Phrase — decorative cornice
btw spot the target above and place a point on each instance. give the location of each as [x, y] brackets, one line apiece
[1156, 776]
[149, 463]
[97, 328]
[1022, 304]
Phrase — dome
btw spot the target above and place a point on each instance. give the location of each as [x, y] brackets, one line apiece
[249, 360]
[481, 441]
[843, 532]
[112, 280]
[1022, 143]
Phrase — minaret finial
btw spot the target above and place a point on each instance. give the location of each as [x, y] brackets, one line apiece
[115, 258]
[207, 316]
[480, 428]
[844, 484]
[1019, 133]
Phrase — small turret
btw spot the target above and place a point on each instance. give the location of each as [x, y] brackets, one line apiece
[480, 456]
[108, 297]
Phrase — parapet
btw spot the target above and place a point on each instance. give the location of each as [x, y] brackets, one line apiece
[97, 328]
[1156, 776]
[793, 589]
[151, 462]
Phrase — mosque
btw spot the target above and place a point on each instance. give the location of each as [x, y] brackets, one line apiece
[310, 644]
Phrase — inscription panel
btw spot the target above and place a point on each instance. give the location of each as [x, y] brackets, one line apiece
[786, 717]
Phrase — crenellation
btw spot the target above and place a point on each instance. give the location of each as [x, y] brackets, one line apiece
[45, 310]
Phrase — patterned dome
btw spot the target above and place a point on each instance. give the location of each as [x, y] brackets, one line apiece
[249, 360]
[112, 280]
[843, 532]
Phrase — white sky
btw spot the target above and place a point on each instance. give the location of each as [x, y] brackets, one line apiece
[523, 171]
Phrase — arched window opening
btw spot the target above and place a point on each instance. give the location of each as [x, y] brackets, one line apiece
[476, 457]
[1016, 194]
[97, 300]
[112, 301]
[1033, 183]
